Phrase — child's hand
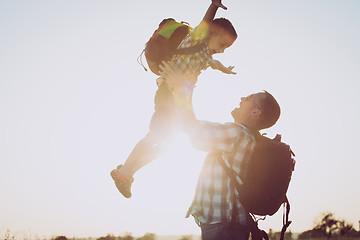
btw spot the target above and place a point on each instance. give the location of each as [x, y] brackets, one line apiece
[219, 4]
[215, 64]
[228, 70]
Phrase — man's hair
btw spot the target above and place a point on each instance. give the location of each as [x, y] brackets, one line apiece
[226, 25]
[270, 111]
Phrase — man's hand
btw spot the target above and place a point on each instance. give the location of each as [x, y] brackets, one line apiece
[219, 4]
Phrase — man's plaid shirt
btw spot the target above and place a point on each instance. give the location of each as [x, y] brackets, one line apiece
[214, 195]
[191, 63]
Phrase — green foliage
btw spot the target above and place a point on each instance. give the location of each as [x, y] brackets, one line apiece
[60, 238]
[9, 235]
[108, 237]
[329, 227]
[147, 236]
[128, 236]
[312, 234]
[186, 237]
[276, 235]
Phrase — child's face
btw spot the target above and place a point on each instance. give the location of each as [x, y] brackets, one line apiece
[219, 41]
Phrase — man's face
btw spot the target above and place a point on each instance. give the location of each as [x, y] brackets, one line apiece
[247, 108]
[219, 41]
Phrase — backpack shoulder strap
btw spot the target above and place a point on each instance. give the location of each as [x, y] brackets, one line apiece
[256, 233]
[230, 172]
[190, 50]
[286, 221]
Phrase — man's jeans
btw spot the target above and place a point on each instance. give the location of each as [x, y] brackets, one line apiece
[224, 231]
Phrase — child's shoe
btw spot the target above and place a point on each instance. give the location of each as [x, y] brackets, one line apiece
[122, 182]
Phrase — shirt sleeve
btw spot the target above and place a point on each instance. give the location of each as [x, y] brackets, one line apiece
[200, 32]
[215, 137]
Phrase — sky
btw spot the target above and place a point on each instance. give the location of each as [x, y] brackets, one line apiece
[74, 102]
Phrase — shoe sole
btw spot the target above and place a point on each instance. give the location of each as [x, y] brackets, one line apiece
[119, 184]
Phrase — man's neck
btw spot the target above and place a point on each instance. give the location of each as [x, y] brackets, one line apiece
[249, 124]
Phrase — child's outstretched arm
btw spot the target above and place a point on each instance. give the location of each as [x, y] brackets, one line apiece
[210, 13]
[215, 64]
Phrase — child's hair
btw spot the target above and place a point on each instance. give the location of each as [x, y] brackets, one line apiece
[226, 25]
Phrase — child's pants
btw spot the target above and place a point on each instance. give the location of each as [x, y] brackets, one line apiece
[163, 122]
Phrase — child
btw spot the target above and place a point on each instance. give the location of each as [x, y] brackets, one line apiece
[216, 35]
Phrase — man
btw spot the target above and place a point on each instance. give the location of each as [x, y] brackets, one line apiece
[216, 207]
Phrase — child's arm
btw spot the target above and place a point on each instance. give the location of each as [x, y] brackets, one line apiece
[210, 13]
[215, 64]
[201, 31]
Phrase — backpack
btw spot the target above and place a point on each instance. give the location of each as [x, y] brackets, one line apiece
[164, 42]
[265, 176]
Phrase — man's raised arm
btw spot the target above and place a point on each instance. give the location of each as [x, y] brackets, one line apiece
[182, 86]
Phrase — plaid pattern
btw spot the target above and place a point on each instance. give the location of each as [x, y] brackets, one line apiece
[214, 192]
[190, 63]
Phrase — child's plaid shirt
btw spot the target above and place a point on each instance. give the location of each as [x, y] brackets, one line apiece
[191, 63]
[213, 202]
